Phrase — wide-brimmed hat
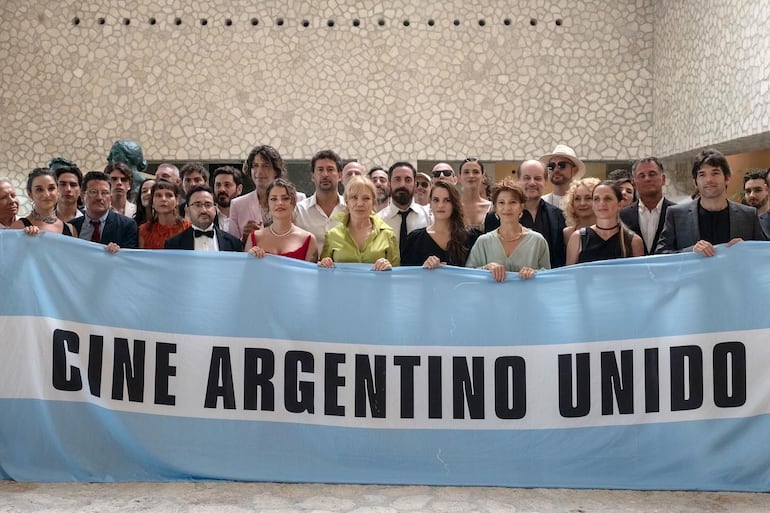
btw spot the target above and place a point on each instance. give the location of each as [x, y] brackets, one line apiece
[562, 150]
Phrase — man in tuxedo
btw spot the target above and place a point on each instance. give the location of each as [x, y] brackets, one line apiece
[712, 219]
[646, 215]
[204, 234]
[100, 223]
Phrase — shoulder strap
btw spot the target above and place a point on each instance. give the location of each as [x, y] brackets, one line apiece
[26, 222]
[583, 238]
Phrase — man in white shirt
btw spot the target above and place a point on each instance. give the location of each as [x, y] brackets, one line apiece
[646, 216]
[403, 215]
[122, 180]
[563, 168]
[379, 178]
[444, 172]
[351, 169]
[317, 213]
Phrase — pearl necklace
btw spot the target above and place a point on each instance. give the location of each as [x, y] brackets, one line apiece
[514, 239]
[46, 219]
[280, 235]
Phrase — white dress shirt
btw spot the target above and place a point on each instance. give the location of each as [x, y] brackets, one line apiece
[309, 216]
[419, 217]
[648, 223]
[204, 243]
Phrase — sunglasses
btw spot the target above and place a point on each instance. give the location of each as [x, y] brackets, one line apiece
[445, 172]
[562, 164]
[424, 185]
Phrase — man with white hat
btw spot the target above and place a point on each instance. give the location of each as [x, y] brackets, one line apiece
[563, 167]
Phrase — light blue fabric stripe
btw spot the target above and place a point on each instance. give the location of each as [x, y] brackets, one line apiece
[236, 295]
[79, 441]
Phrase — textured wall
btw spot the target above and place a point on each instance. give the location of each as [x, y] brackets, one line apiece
[188, 91]
[711, 73]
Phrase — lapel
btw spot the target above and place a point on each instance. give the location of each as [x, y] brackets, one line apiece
[188, 241]
[692, 219]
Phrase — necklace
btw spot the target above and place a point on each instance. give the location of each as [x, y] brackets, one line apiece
[280, 235]
[607, 229]
[46, 219]
[514, 239]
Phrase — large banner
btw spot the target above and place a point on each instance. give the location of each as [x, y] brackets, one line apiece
[647, 373]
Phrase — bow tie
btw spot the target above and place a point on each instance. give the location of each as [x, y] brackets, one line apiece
[201, 233]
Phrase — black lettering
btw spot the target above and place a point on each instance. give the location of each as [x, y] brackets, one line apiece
[407, 365]
[510, 392]
[651, 381]
[95, 357]
[298, 395]
[128, 371]
[220, 371]
[371, 387]
[258, 371]
[435, 400]
[163, 371]
[583, 371]
[63, 377]
[332, 381]
[465, 389]
[616, 386]
[694, 361]
[736, 367]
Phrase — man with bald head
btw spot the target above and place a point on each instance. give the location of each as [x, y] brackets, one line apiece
[169, 173]
[351, 169]
[443, 172]
[538, 214]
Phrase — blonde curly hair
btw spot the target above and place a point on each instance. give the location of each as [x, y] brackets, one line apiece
[569, 209]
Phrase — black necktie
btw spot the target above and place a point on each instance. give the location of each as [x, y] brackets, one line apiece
[402, 234]
[201, 233]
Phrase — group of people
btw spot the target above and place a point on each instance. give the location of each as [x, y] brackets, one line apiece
[397, 216]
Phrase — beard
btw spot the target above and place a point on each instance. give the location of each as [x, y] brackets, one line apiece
[382, 196]
[223, 200]
[402, 196]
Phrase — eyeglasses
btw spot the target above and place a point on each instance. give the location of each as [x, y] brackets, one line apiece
[445, 172]
[562, 164]
[424, 185]
[202, 204]
[94, 193]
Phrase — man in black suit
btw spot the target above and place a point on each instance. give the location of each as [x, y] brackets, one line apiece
[712, 219]
[646, 215]
[100, 223]
[204, 234]
[539, 215]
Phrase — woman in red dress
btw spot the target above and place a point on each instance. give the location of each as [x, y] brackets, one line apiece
[165, 221]
[282, 237]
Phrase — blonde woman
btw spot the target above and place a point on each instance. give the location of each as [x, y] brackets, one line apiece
[579, 209]
[362, 237]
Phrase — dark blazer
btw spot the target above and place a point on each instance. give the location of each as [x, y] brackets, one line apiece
[630, 217]
[764, 222]
[117, 228]
[681, 230]
[555, 233]
[185, 240]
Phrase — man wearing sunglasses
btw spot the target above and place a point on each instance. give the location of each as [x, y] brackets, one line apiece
[563, 167]
[422, 187]
[444, 172]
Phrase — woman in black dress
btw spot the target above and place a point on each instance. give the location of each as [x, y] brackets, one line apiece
[446, 241]
[44, 193]
[608, 238]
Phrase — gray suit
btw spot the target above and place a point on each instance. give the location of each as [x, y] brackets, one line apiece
[681, 230]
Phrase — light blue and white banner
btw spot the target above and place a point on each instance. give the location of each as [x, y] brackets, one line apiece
[648, 373]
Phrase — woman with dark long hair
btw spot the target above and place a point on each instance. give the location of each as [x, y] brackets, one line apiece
[44, 193]
[447, 240]
[165, 221]
[144, 202]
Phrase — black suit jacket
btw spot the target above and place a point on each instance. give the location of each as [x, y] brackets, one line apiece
[554, 235]
[185, 240]
[630, 217]
[764, 222]
[117, 228]
[682, 231]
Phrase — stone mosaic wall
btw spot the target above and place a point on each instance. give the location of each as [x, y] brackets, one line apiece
[507, 80]
[711, 73]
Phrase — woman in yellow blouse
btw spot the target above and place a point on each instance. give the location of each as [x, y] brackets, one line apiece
[362, 237]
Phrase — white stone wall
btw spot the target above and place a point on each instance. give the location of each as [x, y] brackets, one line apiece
[711, 73]
[378, 93]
